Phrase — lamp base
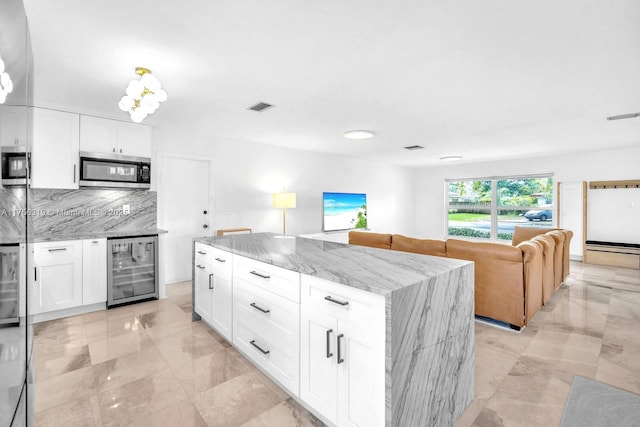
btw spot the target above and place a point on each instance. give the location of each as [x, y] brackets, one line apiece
[284, 236]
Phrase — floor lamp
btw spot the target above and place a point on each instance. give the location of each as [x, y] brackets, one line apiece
[284, 201]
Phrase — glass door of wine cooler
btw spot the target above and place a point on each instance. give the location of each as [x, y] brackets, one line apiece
[132, 269]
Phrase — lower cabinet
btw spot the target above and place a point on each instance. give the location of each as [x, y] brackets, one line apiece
[57, 276]
[342, 353]
[94, 271]
[213, 289]
[266, 318]
[322, 341]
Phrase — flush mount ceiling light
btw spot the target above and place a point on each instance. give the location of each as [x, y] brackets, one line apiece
[6, 85]
[358, 134]
[143, 96]
[451, 158]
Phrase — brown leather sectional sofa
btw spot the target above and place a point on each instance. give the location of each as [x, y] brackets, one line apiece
[511, 282]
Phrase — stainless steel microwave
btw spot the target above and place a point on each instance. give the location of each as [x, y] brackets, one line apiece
[114, 171]
[14, 165]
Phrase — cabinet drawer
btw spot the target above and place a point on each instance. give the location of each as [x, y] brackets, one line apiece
[203, 254]
[280, 362]
[282, 282]
[221, 262]
[281, 322]
[345, 303]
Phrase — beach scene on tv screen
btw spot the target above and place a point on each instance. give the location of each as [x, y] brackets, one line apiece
[343, 211]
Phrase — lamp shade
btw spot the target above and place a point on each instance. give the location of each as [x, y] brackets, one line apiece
[284, 200]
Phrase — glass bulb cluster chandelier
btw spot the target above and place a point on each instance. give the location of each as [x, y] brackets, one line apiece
[6, 85]
[143, 96]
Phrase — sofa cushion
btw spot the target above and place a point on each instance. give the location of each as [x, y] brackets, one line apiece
[419, 246]
[520, 234]
[548, 260]
[374, 240]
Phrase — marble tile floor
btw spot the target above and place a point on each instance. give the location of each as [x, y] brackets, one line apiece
[147, 364]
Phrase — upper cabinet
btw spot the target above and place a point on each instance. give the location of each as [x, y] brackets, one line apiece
[13, 125]
[99, 135]
[54, 149]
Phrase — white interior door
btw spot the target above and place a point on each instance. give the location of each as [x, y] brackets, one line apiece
[572, 214]
[183, 210]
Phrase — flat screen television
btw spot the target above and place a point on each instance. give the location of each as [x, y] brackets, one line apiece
[344, 211]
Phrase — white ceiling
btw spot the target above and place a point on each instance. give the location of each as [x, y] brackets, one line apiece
[483, 79]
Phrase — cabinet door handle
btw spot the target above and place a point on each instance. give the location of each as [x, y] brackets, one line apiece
[74, 174]
[114, 149]
[202, 253]
[254, 305]
[200, 267]
[264, 276]
[340, 359]
[221, 260]
[35, 274]
[329, 354]
[57, 250]
[335, 301]
[121, 150]
[210, 281]
[253, 343]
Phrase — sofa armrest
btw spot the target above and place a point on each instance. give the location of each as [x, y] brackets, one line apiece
[498, 271]
[566, 257]
[532, 261]
[548, 259]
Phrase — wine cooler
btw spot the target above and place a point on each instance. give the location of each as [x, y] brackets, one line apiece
[9, 284]
[132, 269]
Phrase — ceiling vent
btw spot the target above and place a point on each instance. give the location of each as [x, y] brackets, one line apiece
[260, 107]
[414, 147]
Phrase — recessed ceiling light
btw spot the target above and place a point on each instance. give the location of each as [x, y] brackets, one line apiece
[451, 158]
[358, 134]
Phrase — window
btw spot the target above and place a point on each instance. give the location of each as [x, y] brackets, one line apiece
[489, 208]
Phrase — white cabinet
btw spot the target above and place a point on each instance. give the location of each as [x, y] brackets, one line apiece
[54, 151]
[57, 276]
[94, 271]
[222, 301]
[13, 125]
[99, 135]
[266, 318]
[213, 291]
[342, 352]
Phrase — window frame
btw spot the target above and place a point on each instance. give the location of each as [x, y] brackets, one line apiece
[494, 208]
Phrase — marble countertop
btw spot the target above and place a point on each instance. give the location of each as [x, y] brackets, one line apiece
[56, 237]
[379, 271]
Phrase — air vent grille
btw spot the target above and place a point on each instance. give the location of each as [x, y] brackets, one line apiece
[260, 106]
[414, 147]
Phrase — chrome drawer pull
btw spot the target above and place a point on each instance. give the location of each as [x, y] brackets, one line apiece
[221, 260]
[210, 282]
[335, 301]
[340, 359]
[255, 273]
[329, 354]
[253, 304]
[253, 343]
[57, 250]
[200, 267]
[202, 253]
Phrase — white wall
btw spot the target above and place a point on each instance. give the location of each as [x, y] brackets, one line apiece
[587, 166]
[246, 174]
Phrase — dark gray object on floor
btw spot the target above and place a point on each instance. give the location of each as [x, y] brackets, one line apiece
[591, 403]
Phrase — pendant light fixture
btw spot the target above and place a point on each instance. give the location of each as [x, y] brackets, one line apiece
[6, 85]
[143, 96]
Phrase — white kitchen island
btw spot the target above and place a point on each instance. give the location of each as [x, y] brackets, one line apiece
[360, 336]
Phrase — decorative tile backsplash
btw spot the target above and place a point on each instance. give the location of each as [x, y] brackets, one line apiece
[89, 210]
